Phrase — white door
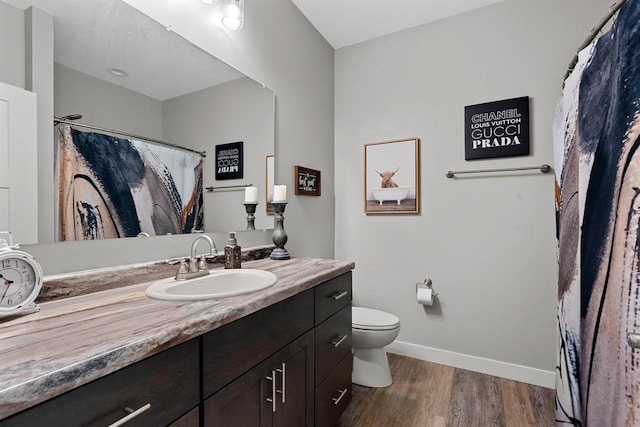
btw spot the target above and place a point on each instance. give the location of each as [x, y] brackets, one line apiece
[18, 164]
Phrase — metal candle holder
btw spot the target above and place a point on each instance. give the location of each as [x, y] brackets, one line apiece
[250, 207]
[279, 235]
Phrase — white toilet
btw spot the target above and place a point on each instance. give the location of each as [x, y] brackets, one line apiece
[372, 331]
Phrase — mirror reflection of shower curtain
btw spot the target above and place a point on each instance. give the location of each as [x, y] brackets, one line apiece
[596, 136]
[114, 187]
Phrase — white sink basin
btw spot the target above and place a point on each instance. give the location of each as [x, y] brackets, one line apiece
[219, 284]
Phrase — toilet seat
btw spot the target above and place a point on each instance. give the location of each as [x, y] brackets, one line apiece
[373, 320]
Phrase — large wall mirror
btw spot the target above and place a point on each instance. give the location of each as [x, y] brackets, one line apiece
[126, 74]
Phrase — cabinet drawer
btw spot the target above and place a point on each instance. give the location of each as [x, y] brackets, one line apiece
[332, 342]
[168, 381]
[233, 349]
[331, 296]
[334, 394]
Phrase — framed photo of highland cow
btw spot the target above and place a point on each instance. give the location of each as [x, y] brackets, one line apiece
[392, 177]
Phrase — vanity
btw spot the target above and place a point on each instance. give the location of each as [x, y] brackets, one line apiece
[276, 357]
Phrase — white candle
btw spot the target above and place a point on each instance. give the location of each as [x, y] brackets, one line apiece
[251, 195]
[279, 193]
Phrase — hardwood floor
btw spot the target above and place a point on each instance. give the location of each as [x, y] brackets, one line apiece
[432, 395]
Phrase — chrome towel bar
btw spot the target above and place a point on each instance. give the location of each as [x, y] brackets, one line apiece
[543, 168]
[228, 187]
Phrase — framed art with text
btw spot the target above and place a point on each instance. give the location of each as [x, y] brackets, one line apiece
[497, 129]
[307, 181]
[229, 161]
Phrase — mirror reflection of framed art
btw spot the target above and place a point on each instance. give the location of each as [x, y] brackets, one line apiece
[269, 182]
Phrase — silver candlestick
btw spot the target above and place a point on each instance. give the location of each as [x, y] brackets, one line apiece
[250, 207]
[279, 235]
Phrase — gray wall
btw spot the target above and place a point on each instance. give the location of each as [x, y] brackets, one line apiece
[26, 53]
[39, 79]
[487, 242]
[240, 110]
[11, 45]
[104, 104]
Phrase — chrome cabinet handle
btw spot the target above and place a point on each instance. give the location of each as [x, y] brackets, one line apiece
[132, 415]
[283, 371]
[338, 340]
[337, 400]
[633, 340]
[337, 295]
[272, 399]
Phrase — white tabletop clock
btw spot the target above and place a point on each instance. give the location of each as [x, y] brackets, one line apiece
[20, 279]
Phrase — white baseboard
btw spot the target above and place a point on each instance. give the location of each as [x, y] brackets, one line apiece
[510, 371]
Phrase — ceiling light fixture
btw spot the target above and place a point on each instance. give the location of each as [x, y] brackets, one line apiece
[118, 72]
[208, 1]
[233, 14]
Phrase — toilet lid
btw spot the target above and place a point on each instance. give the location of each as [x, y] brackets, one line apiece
[368, 318]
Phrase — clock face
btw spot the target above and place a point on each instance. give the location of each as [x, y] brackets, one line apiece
[18, 280]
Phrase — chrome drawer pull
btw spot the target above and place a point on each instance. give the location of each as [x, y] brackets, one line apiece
[337, 400]
[338, 340]
[132, 415]
[272, 399]
[633, 340]
[283, 371]
[337, 295]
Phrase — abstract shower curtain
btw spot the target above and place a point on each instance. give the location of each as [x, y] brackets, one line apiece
[596, 137]
[114, 187]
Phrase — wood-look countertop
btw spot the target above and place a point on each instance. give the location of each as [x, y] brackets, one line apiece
[73, 341]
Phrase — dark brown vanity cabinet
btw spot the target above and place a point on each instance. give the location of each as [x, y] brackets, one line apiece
[277, 392]
[156, 391]
[269, 358]
[333, 357]
[310, 377]
[288, 364]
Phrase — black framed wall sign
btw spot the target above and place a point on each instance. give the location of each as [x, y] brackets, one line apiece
[307, 181]
[497, 129]
[229, 161]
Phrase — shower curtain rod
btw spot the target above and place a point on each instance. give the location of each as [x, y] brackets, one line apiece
[613, 9]
[57, 121]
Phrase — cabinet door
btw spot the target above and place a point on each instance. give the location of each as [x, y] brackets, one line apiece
[244, 401]
[294, 383]
[233, 349]
[190, 419]
[248, 401]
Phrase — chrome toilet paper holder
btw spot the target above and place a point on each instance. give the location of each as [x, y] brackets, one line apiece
[426, 284]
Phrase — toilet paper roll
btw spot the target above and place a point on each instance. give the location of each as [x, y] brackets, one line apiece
[425, 295]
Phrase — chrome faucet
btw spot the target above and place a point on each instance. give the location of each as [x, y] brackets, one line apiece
[212, 246]
[196, 267]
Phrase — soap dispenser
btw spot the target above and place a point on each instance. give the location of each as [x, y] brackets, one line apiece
[232, 255]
